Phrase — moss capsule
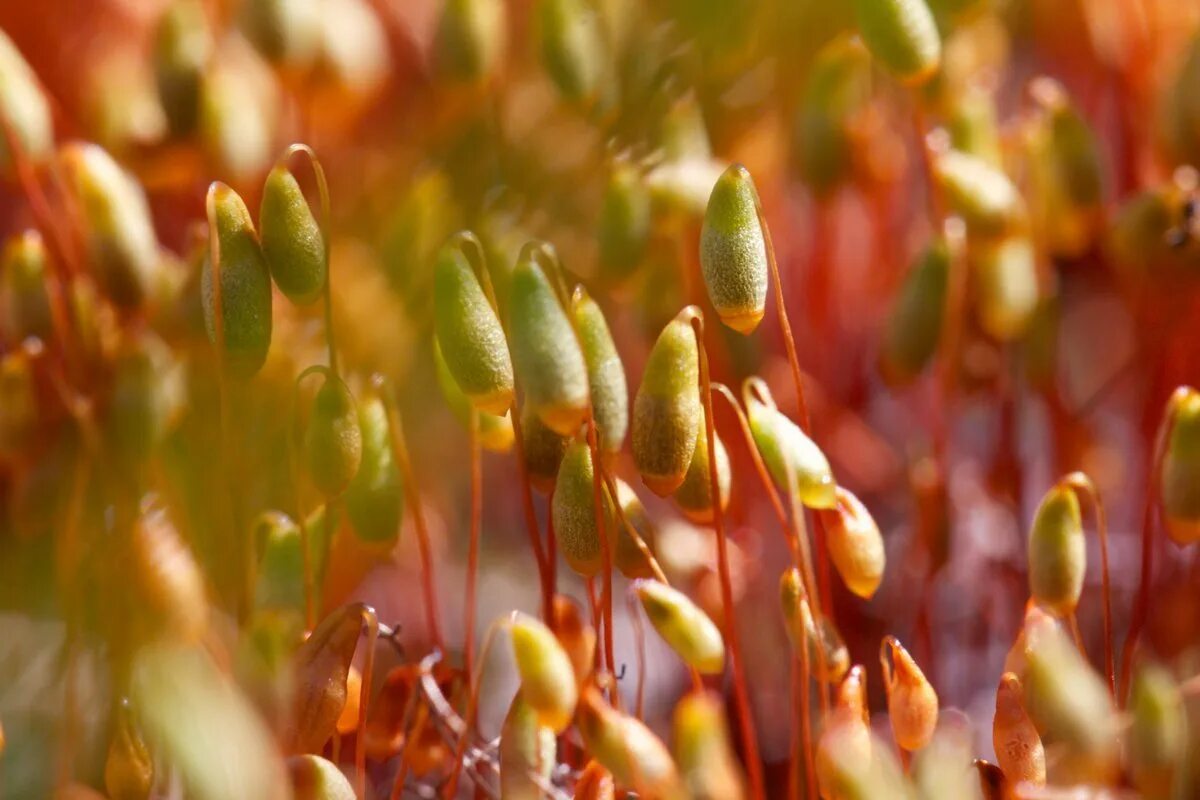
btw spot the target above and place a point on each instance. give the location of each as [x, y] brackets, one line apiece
[985, 198]
[703, 751]
[828, 658]
[914, 326]
[846, 745]
[147, 397]
[666, 410]
[627, 556]
[291, 239]
[470, 39]
[1158, 739]
[527, 748]
[625, 223]
[694, 495]
[782, 443]
[605, 373]
[286, 32]
[577, 637]
[182, 48]
[1018, 746]
[547, 676]
[855, 544]
[543, 449]
[733, 251]
[24, 304]
[571, 47]
[912, 702]
[903, 37]
[316, 778]
[626, 747]
[495, 433]
[1057, 552]
[573, 511]
[23, 106]
[837, 88]
[333, 442]
[1006, 286]
[321, 666]
[164, 578]
[680, 622]
[374, 498]
[1180, 483]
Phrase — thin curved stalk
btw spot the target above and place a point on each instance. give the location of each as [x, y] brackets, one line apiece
[639, 636]
[1082, 484]
[606, 557]
[745, 723]
[473, 542]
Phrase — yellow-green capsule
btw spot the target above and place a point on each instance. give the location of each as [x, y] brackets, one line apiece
[680, 622]
[470, 39]
[782, 443]
[1057, 552]
[182, 48]
[666, 410]
[547, 677]
[495, 433]
[1180, 485]
[24, 304]
[942, 771]
[828, 658]
[625, 223]
[129, 767]
[470, 335]
[245, 288]
[286, 32]
[1006, 286]
[703, 751]
[605, 373]
[572, 47]
[837, 87]
[1158, 739]
[238, 113]
[23, 107]
[333, 444]
[291, 239]
[280, 585]
[694, 495]
[119, 234]
[980, 193]
[628, 749]
[316, 778]
[573, 511]
[914, 326]
[147, 397]
[733, 251]
[527, 748]
[903, 37]
[375, 498]
[973, 126]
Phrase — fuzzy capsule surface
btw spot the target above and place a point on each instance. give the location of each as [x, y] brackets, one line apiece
[680, 622]
[1057, 552]
[733, 251]
[1018, 745]
[469, 334]
[291, 239]
[1180, 483]
[902, 36]
[627, 556]
[855, 544]
[703, 752]
[24, 106]
[667, 411]
[527, 748]
[985, 198]
[333, 442]
[912, 702]
[605, 372]
[495, 432]
[546, 354]
[245, 287]
[914, 326]
[781, 442]
[573, 511]
[625, 223]
[547, 676]
[694, 495]
[543, 450]
[316, 778]
[375, 498]
[24, 304]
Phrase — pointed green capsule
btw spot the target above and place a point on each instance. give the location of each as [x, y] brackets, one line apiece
[24, 304]
[147, 398]
[1006, 286]
[572, 47]
[245, 301]
[375, 498]
[680, 622]
[316, 778]
[469, 334]
[1057, 552]
[573, 510]
[625, 223]
[119, 234]
[973, 126]
[782, 443]
[838, 86]
[703, 749]
[495, 433]
[1158, 739]
[733, 252]
[694, 495]
[547, 677]
[182, 47]
[545, 352]
[333, 443]
[626, 747]
[543, 450]
[605, 373]
[527, 748]
[914, 326]
[666, 411]
[1180, 486]
[291, 239]
[470, 39]
[903, 37]
[23, 107]
[980, 193]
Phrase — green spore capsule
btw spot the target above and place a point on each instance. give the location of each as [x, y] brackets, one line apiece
[470, 39]
[245, 288]
[1158, 741]
[973, 126]
[680, 622]
[980, 193]
[333, 443]
[545, 352]
[375, 498]
[280, 585]
[1180, 486]
[573, 511]
[470, 335]
[24, 304]
[1006, 282]
[23, 107]
[733, 252]
[291, 239]
[781, 442]
[543, 449]
[903, 37]
[495, 433]
[1057, 552]
[694, 495]
[527, 748]
[605, 373]
[572, 48]
[627, 556]
[316, 778]
[121, 244]
[286, 32]
[182, 48]
[914, 326]
[547, 677]
[625, 223]
[147, 397]
[837, 88]
[666, 411]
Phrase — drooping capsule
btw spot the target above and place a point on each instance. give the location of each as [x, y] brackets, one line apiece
[1158, 739]
[837, 88]
[333, 443]
[733, 251]
[527, 749]
[914, 326]
[572, 49]
[129, 767]
[627, 556]
[1180, 486]
[543, 450]
[1057, 551]
[245, 287]
[470, 40]
[828, 657]
[24, 303]
[972, 124]
[292, 241]
[626, 747]
[605, 373]
[985, 198]
[680, 622]
[912, 702]
[545, 352]
[694, 495]
[547, 676]
[855, 544]
[495, 433]
[280, 584]
[182, 47]
[783, 444]
[703, 751]
[1037, 623]
[317, 778]
[321, 667]
[1018, 746]
[147, 396]
[846, 745]
[903, 37]
[23, 106]
[375, 497]
[163, 577]
[470, 335]
[666, 410]
[119, 234]
[1006, 286]
[625, 223]
[573, 511]
[285, 32]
